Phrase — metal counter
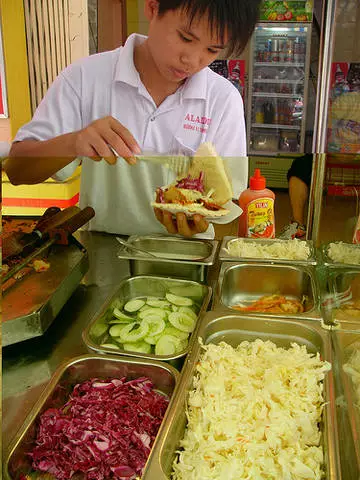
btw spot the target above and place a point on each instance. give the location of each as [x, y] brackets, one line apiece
[29, 365]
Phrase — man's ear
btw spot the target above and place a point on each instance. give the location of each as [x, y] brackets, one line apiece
[151, 9]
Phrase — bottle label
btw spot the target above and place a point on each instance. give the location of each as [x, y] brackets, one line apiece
[260, 218]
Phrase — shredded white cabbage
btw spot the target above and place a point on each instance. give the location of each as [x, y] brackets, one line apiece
[253, 414]
[341, 252]
[352, 368]
[286, 249]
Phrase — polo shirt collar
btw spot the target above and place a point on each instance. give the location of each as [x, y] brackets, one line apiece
[194, 87]
[125, 70]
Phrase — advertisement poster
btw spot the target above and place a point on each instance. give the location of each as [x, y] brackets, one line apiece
[233, 70]
[294, 11]
[3, 102]
[344, 114]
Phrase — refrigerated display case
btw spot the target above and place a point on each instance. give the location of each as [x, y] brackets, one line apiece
[278, 86]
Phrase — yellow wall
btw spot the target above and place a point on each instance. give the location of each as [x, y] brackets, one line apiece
[132, 13]
[16, 64]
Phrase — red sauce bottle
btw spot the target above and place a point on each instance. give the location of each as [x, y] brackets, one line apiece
[257, 203]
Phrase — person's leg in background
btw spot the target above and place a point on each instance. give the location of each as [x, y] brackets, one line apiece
[298, 193]
[299, 178]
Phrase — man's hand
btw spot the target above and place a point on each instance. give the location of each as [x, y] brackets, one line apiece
[94, 140]
[181, 225]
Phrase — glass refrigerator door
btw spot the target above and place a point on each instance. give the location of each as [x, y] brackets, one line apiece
[279, 70]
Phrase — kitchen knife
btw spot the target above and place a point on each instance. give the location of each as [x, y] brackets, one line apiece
[20, 243]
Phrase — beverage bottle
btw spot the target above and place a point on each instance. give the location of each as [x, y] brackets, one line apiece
[257, 203]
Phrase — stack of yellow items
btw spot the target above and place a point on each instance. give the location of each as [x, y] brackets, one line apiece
[35, 199]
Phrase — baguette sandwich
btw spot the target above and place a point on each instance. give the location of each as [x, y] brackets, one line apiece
[204, 191]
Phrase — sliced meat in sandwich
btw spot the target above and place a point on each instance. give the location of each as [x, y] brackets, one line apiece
[204, 191]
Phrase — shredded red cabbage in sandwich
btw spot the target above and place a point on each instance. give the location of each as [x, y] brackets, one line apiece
[192, 183]
[104, 431]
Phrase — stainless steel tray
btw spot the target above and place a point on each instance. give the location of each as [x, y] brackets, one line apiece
[233, 329]
[344, 288]
[328, 262]
[345, 343]
[225, 257]
[177, 257]
[31, 305]
[141, 286]
[56, 394]
[239, 282]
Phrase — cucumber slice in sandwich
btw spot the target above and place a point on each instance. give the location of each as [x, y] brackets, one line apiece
[179, 301]
[182, 321]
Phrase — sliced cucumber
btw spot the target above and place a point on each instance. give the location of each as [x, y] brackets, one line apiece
[170, 330]
[134, 332]
[167, 345]
[183, 345]
[156, 325]
[115, 330]
[145, 307]
[174, 308]
[120, 321]
[182, 321]
[179, 301]
[98, 329]
[153, 311]
[134, 305]
[157, 302]
[141, 346]
[121, 315]
[110, 345]
[189, 311]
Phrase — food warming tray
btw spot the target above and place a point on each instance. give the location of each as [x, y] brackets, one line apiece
[224, 256]
[73, 371]
[32, 303]
[344, 288]
[177, 257]
[245, 282]
[233, 329]
[142, 286]
[346, 343]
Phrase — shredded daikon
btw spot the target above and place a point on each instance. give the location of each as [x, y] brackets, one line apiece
[341, 252]
[254, 413]
[286, 249]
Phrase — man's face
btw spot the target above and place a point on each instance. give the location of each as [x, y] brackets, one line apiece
[179, 49]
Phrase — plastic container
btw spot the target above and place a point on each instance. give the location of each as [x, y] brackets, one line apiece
[257, 204]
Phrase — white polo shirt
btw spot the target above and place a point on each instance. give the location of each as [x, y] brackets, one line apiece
[207, 108]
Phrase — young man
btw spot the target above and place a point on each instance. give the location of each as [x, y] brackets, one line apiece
[155, 94]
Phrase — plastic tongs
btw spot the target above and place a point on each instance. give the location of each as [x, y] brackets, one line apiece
[180, 164]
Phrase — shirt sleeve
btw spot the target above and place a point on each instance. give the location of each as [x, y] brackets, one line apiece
[229, 139]
[58, 113]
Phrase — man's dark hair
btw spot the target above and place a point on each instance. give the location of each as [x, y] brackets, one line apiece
[236, 17]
